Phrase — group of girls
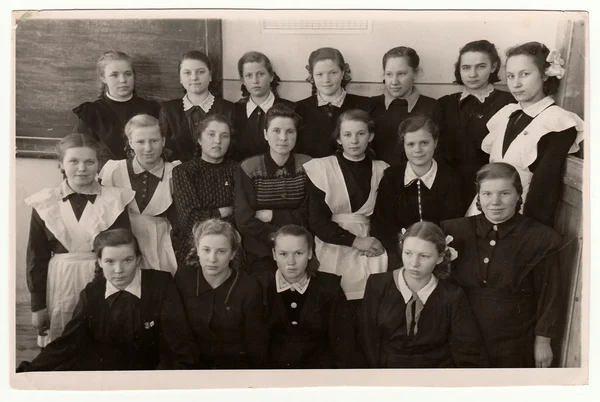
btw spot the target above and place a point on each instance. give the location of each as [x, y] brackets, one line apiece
[262, 212]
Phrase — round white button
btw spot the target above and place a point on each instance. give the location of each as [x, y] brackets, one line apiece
[492, 242]
[294, 322]
[495, 227]
[294, 305]
[486, 260]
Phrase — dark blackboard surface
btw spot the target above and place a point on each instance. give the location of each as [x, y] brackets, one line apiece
[55, 67]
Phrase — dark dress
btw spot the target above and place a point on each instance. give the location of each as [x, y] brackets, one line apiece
[385, 143]
[228, 321]
[397, 205]
[510, 273]
[249, 131]
[122, 332]
[178, 125]
[316, 137]
[447, 334]
[105, 119]
[462, 130]
[317, 333]
[200, 188]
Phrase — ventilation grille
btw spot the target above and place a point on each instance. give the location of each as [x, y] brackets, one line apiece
[316, 26]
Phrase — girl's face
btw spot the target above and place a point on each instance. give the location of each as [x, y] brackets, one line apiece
[354, 137]
[119, 264]
[80, 165]
[475, 70]
[195, 76]
[292, 254]
[215, 253]
[498, 199]
[328, 77]
[281, 135]
[147, 143]
[214, 141]
[524, 80]
[419, 147]
[420, 257]
[399, 77]
[119, 80]
[257, 79]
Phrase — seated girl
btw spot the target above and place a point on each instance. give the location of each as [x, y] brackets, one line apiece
[307, 312]
[126, 318]
[412, 318]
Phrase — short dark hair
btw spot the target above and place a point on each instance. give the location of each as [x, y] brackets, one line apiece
[538, 52]
[499, 170]
[281, 110]
[430, 232]
[479, 46]
[415, 123]
[112, 238]
[299, 231]
[403, 51]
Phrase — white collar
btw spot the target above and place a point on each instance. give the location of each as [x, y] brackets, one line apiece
[423, 294]
[337, 103]
[205, 105]
[427, 179]
[265, 106]
[109, 96]
[480, 96]
[157, 170]
[282, 284]
[64, 189]
[536, 108]
[411, 99]
[134, 287]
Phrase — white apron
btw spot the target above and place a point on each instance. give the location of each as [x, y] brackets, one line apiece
[152, 232]
[325, 173]
[69, 273]
[522, 152]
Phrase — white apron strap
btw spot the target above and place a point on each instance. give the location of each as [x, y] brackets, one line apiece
[79, 240]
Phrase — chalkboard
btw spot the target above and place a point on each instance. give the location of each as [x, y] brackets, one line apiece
[55, 67]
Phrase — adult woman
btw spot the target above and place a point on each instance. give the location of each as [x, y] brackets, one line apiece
[508, 265]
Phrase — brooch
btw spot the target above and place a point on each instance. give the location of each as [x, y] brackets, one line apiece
[226, 182]
[148, 325]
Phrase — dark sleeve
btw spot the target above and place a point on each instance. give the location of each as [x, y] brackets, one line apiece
[368, 334]
[187, 203]
[466, 343]
[255, 328]
[383, 222]
[122, 221]
[39, 251]
[436, 113]
[319, 220]
[452, 202]
[341, 333]
[546, 183]
[64, 352]
[178, 349]
[546, 277]
[104, 154]
[247, 223]
[166, 130]
[298, 216]
[83, 128]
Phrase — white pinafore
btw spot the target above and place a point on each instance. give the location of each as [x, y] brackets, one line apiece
[522, 152]
[326, 175]
[69, 273]
[153, 232]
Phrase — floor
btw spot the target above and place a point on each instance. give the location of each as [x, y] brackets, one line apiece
[26, 337]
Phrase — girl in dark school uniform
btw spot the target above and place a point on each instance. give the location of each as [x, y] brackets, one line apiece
[412, 318]
[342, 191]
[270, 189]
[534, 135]
[307, 313]
[509, 267]
[417, 190]
[465, 114]
[259, 94]
[106, 117]
[149, 175]
[64, 222]
[223, 304]
[400, 100]
[328, 74]
[126, 318]
[203, 187]
[179, 117]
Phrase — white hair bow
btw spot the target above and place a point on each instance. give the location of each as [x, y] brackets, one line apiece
[453, 252]
[555, 69]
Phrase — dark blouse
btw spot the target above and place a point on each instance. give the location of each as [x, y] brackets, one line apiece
[178, 125]
[316, 138]
[262, 184]
[357, 178]
[106, 119]
[385, 143]
[463, 128]
[317, 333]
[123, 332]
[511, 275]
[447, 334]
[249, 131]
[228, 321]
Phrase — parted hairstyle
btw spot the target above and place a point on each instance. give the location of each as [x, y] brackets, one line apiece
[499, 170]
[257, 57]
[354, 115]
[213, 86]
[430, 232]
[408, 53]
[107, 57]
[479, 46]
[281, 110]
[415, 123]
[327, 53]
[217, 227]
[199, 129]
[141, 121]
[112, 238]
[538, 53]
[75, 140]
[299, 231]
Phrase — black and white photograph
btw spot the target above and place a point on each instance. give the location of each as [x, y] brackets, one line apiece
[311, 198]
